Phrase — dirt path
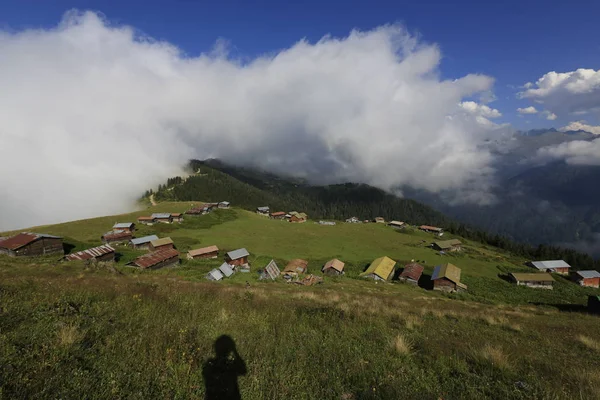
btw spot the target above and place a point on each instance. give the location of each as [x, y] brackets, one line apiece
[152, 199]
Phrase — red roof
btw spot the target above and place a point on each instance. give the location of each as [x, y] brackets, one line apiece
[145, 219]
[90, 253]
[156, 257]
[278, 213]
[116, 235]
[412, 271]
[23, 239]
[175, 215]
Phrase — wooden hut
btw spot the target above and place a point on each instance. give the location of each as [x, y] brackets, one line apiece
[262, 210]
[204, 252]
[31, 244]
[103, 253]
[297, 217]
[146, 220]
[177, 217]
[224, 204]
[396, 224]
[379, 220]
[164, 218]
[157, 259]
[538, 280]
[117, 237]
[333, 267]
[295, 267]
[142, 243]
[590, 278]
[237, 257]
[381, 269]
[556, 266]
[448, 245]
[271, 271]
[278, 215]
[162, 244]
[124, 226]
[446, 277]
[431, 229]
[412, 273]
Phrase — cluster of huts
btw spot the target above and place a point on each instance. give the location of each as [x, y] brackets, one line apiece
[207, 208]
[544, 280]
[292, 216]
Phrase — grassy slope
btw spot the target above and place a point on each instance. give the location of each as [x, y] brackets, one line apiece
[67, 331]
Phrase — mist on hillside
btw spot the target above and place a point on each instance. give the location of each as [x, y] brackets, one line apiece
[96, 113]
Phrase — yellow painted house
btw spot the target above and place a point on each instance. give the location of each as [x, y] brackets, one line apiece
[380, 269]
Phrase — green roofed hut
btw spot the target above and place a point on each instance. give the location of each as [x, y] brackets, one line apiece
[381, 269]
[448, 245]
[538, 280]
[446, 278]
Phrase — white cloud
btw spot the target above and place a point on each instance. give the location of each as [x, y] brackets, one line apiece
[578, 152]
[480, 109]
[527, 110]
[567, 92]
[550, 116]
[581, 125]
[93, 115]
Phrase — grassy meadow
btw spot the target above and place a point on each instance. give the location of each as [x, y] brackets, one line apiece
[73, 331]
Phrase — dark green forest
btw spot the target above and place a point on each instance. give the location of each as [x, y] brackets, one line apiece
[214, 181]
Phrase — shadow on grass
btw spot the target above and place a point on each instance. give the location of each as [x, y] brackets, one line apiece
[425, 282]
[221, 372]
[505, 277]
[579, 308]
[68, 247]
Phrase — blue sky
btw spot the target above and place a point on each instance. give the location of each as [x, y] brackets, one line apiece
[513, 41]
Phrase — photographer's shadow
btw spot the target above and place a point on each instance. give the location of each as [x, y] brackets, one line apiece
[221, 372]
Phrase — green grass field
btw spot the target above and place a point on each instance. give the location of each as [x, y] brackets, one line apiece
[71, 331]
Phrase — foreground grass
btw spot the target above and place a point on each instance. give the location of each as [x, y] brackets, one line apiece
[71, 332]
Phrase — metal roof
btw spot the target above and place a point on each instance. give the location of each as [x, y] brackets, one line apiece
[448, 271]
[142, 240]
[430, 228]
[272, 270]
[156, 257]
[446, 244]
[215, 275]
[126, 225]
[203, 250]
[263, 209]
[113, 235]
[90, 253]
[161, 242]
[226, 270]
[239, 253]
[412, 271]
[383, 267]
[23, 239]
[552, 264]
[589, 274]
[297, 265]
[335, 264]
[161, 215]
[397, 223]
[225, 203]
[533, 277]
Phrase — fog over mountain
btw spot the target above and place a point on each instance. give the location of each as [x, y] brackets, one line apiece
[96, 113]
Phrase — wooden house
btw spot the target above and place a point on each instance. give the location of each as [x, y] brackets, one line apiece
[146, 220]
[117, 237]
[263, 210]
[448, 245]
[589, 278]
[446, 277]
[538, 280]
[379, 220]
[124, 226]
[161, 244]
[278, 215]
[237, 257]
[142, 243]
[271, 271]
[396, 224]
[412, 273]
[224, 204]
[431, 229]
[295, 267]
[103, 253]
[381, 269]
[204, 252]
[157, 259]
[164, 218]
[556, 266]
[353, 220]
[31, 245]
[333, 267]
[195, 211]
[297, 217]
[177, 217]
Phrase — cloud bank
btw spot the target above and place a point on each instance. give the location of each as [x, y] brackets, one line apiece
[94, 114]
[527, 110]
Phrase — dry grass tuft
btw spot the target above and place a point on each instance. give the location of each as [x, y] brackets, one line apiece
[68, 335]
[412, 321]
[402, 345]
[495, 356]
[589, 342]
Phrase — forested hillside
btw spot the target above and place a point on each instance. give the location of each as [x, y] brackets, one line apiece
[214, 181]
